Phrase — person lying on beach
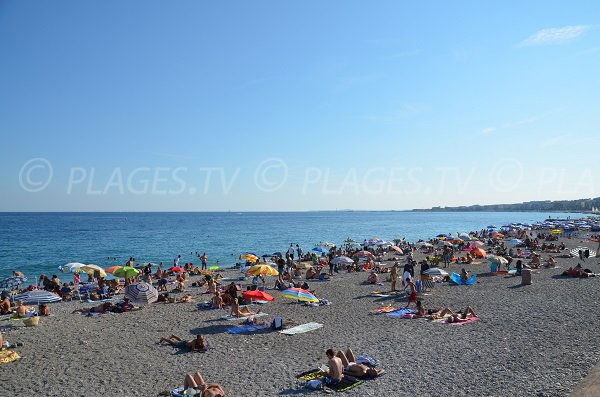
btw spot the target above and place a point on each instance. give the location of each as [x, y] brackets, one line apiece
[186, 298]
[21, 310]
[578, 271]
[4, 344]
[454, 317]
[335, 373]
[102, 308]
[352, 368]
[195, 381]
[240, 312]
[5, 306]
[198, 344]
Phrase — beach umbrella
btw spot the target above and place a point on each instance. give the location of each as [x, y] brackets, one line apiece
[249, 257]
[326, 244]
[497, 259]
[71, 267]
[464, 236]
[396, 248]
[126, 272]
[141, 293]
[444, 244]
[491, 227]
[424, 244]
[361, 254]
[342, 259]
[321, 250]
[556, 231]
[442, 235]
[478, 252]
[497, 235]
[176, 269]
[515, 241]
[90, 269]
[257, 295]
[299, 294]
[476, 244]
[112, 269]
[349, 240]
[38, 296]
[262, 270]
[12, 283]
[436, 271]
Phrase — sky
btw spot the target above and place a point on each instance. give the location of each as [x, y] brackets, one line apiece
[295, 106]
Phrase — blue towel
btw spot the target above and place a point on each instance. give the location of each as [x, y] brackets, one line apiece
[472, 280]
[456, 279]
[401, 312]
[248, 329]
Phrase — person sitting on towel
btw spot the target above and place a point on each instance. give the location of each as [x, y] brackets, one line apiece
[335, 373]
[464, 275]
[373, 278]
[240, 312]
[352, 368]
[196, 381]
[21, 310]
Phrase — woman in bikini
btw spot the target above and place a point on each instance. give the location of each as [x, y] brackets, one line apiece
[240, 312]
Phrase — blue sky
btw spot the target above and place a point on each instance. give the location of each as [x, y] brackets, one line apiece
[267, 105]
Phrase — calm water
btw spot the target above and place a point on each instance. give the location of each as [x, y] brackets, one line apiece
[40, 242]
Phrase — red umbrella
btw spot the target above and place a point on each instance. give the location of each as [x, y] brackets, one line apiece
[396, 248]
[257, 295]
[177, 269]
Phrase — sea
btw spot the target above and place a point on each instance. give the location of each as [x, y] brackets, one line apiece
[38, 243]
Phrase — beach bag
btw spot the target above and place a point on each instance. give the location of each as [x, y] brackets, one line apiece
[526, 277]
[31, 321]
[277, 323]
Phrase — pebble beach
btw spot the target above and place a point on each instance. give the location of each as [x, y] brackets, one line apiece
[534, 340]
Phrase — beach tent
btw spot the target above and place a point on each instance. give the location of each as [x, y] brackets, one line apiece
[37, 297]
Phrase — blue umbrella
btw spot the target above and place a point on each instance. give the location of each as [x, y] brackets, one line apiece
[321, 250]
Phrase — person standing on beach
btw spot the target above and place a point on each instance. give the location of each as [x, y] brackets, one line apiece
[176, 260]
[204, 260]
[412, 291]
[290, 251]
[394, 276]
[299, 251]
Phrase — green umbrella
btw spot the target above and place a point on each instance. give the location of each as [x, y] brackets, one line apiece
[126, 272]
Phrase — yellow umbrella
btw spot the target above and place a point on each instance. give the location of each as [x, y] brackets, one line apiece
[556, 231]
[249, 257]
[90, 269]
[264, 270]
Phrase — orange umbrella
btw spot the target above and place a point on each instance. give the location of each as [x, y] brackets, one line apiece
[478, 252]
[112, 269]
[396, 248]
[498, 235]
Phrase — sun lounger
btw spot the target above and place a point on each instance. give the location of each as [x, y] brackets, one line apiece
[300, 329]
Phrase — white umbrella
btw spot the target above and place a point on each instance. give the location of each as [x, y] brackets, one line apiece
[342, 259]
[71, 267]
[435, 271]
[38, 296]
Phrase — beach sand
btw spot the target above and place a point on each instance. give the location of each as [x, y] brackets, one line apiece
[536, 340]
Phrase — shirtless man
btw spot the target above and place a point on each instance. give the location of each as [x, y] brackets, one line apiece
[394, 276]
[454, 317]
[103, 308]
[335, 374]
[217, 302]
[197, 382]
[21, 310]
[196, 344]
[5, 307]
[353, 369]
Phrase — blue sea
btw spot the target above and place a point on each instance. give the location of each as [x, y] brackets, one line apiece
[38, 243]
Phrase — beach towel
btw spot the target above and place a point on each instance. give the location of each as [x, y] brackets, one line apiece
[347, 383]
[311, 375]
[99, 301]
[384, 309]
[249, 329]
[300, 329]
[401, 312]
[7, 356]
[234, 318]
[378, 294]
[467, 321]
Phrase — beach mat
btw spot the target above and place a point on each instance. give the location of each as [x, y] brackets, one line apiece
[347, 383]
[300, 329]
[249, 329]
[401, 312]
[8, 356]
[234, 318]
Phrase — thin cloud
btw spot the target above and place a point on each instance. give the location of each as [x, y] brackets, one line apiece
[555, 35]
[488, 130]
[553, 141]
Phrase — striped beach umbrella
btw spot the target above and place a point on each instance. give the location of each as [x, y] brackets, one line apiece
[126, 272]
[141, 293]
[299, 294]
[262, 270]
[38, 296]
[11, 283]
[342, 259]
[71, 267]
